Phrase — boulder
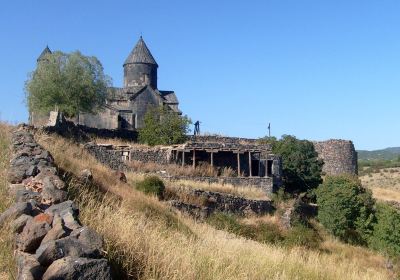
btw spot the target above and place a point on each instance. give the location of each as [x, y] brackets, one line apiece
[52, 195]
[63, 207]
[16, 210]
[32, 235]
[89, 237]
[15, 175]
[18, 225]
[28, 267]
[33, 184]
[32, 171]
[70, 220]
[68, 246]
[58, 231]
[78, 268]
[27, 195]
[54, 182]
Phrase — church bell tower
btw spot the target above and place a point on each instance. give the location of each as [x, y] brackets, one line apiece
[140, 68]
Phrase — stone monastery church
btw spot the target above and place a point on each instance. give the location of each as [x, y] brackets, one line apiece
[126, 107]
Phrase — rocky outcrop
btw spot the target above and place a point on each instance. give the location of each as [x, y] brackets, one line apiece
[50, 241]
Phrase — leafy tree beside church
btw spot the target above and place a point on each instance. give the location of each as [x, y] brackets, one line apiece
[70, 83]
[162, 126]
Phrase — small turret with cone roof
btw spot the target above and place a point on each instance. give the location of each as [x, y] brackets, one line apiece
[42, 56]
[140, 67]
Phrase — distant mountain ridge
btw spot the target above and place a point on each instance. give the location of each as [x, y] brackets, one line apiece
[383, 154]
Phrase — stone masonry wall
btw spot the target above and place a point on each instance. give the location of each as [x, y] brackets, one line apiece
[108, 157]
[220, 202]
[157, 155]
[339, 156]
[51, 243]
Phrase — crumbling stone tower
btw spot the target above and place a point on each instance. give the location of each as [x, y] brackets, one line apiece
[140, 68]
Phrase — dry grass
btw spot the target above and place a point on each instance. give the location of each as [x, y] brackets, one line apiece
[247, 192]
[148, 241]
[385, 185]
[386, 178]
[386, 194]
[7, 263]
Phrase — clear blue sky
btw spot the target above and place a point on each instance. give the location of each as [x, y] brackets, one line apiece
[314, 69]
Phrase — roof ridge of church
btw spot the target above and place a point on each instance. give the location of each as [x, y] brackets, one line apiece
[140, 54]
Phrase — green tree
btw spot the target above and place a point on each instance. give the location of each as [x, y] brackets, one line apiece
[386, 234]
[162, 126]
[71, 83]
[301, 168]
[345, 208]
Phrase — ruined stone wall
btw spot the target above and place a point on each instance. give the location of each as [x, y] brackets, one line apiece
[159, 155]
[51, 242]
[106, 156]
[221, 202]
[339, 156]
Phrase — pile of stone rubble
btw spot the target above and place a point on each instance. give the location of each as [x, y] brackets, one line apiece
[50, 241]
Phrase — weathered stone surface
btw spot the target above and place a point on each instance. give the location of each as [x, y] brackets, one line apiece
[63, 207]
[58, 230]
[89, 237]
[68, 246]
[32, 171]
[27, 195]
[16, 210]
[53, 181]
[78, 268]
[51, 195]
[70, 220]
[31, 236]
[28, 267]
[16, 175]
[298, 211]
[339, 156]
[19, 224]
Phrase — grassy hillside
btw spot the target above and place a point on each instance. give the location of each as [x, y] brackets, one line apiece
[145, 239]
[384, 154]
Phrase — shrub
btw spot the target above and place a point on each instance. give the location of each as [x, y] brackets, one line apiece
[345, 208]
[301, 168]
[162, 126]
[152, 185]
[386, 234]
[261, 232]
[301, 235]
